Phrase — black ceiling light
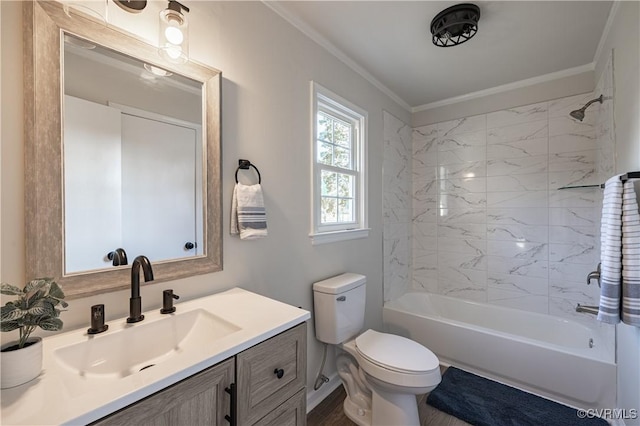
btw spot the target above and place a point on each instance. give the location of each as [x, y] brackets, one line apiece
[131, 6]
[455, 25]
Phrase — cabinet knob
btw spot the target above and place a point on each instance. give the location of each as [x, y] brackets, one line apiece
[279, 372]
[189, 245]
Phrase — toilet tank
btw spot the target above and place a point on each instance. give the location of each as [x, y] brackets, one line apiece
[339, 304]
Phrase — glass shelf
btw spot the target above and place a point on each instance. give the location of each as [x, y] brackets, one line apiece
[581, 186]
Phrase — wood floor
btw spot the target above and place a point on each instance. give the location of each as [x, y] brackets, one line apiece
[330, 413]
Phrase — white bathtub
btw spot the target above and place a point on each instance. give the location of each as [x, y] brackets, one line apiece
[541, 354]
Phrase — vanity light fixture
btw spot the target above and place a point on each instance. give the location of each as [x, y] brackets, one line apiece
[174, 33]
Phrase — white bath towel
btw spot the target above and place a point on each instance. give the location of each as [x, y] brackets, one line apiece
[630, 256]
[248, 215]
[611, 252]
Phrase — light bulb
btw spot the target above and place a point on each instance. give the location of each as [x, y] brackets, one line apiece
[173, 52]
[174, 35]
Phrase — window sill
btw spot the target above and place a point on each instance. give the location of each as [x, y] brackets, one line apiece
[335, 236]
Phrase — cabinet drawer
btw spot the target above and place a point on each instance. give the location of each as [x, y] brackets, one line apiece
[260, 389]
[292, 413]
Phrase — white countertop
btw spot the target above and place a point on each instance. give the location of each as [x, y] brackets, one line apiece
[59, 396]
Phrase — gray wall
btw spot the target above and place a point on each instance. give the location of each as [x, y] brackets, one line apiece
[267, 65]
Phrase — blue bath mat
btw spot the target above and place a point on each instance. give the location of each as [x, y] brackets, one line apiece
[483, 402]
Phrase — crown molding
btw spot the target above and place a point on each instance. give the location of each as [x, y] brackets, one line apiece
[507, 87]
[607, 29]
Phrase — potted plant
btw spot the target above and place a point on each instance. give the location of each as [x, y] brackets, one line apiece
[35, 306]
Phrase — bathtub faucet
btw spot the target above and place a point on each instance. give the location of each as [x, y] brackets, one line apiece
[587, 309]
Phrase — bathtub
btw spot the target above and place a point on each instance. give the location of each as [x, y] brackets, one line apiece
[558, 359]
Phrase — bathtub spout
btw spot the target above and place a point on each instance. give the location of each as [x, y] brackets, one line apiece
[587, 309]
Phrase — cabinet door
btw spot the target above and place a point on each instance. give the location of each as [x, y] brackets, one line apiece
[198, 400]
[291, 413]
[270, 373]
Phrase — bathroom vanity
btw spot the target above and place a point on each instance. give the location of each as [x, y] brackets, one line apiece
[233, 358]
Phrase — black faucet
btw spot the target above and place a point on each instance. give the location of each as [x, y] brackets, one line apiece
[167, 302]
[135, 303]
[97, 320]
[118, 256]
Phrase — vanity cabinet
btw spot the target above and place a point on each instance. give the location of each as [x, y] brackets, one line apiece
[270, 380]
[199, 400]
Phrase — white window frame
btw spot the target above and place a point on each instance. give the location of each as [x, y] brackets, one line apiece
[322, 99]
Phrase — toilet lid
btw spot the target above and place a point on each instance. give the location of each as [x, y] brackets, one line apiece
[396, 352]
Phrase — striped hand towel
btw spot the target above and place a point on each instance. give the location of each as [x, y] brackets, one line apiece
[248, 215]
[611, 252]
[630, 256]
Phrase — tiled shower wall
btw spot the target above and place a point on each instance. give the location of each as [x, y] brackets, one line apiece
[397, 207]
[473, 210]
[489, 222]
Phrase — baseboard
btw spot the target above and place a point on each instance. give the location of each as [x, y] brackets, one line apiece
[316, 397]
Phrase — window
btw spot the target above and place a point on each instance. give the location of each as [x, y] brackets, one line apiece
[339, 175]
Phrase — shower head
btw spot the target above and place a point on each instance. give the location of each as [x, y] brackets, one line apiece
[579, 113]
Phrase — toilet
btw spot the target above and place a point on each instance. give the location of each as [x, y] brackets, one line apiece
[382, 373]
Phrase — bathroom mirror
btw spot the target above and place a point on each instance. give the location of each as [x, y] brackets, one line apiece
[132, 159]
[122, 151]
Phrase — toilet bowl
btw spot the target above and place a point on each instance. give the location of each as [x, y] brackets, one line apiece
[382, 373]
[395, 370]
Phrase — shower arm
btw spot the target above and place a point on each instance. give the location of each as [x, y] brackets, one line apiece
[598, 99]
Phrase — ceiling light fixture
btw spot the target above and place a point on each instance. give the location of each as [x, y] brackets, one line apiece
[174, 33]
[131, 6]
[455, 25]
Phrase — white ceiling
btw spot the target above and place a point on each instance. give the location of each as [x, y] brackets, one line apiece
[391, 42]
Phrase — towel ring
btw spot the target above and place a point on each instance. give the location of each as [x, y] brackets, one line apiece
[244, 165]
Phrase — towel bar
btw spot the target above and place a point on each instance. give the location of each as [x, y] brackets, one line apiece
[625, 177]
[244, 165]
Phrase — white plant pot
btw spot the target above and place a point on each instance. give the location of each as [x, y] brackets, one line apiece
[21, 365]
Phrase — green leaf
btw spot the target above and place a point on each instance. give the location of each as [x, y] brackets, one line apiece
[36, 284]
[55, 291]
[11, 313]
[51, 324]
[10, 290]
[39, 310]
[9, 325]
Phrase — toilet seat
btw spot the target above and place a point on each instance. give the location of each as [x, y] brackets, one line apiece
[396, 353]
[397, 360]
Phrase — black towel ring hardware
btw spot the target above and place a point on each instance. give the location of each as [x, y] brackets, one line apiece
[244, 165]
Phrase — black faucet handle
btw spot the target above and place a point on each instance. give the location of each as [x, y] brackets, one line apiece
[97, 320]
[167, 302]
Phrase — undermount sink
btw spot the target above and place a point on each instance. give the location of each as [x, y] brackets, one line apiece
[120, 353]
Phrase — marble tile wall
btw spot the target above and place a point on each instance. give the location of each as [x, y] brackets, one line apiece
[488, 222]
[397, 207]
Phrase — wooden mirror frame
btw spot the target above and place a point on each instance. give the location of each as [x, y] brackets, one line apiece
[44, 24]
